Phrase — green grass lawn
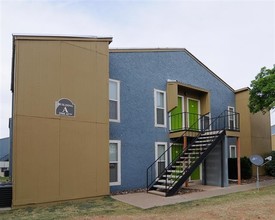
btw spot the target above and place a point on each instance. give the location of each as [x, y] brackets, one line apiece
[107, 207]
[4, 179]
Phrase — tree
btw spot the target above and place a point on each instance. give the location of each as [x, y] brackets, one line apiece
[262, 93]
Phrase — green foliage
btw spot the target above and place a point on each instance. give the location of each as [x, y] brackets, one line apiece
[4, 179]
[246, 168]
[262, 93]
[270, 166]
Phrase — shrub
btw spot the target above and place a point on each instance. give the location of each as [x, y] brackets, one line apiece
[270, 166]
[246, 168]
[232, 168]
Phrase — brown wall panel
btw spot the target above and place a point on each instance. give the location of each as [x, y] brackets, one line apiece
[38, 65]
[59, 157]
[36, 160]
[77, 159]
[273, 142]
[261, 133]
[102, 89]
[78, 80]
[255, 134]
[245, 124]
[102, 134]
[172, 96]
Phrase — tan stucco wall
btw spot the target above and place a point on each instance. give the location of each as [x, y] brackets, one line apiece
[245, 124]
[255, 134]
[261, 133]
[58, 157]
[273, 142]
[174, 89]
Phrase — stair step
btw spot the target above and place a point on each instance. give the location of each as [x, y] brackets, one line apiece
[176, 166]
[193, 153]
[182, 162]
[174, 171]
[200, 145]
[171, 176]
[179, 171]
[155, 192]
[166, 181]
[211, 133]
[206, 141]
[206, 137]
[161, 186]
[186, 157]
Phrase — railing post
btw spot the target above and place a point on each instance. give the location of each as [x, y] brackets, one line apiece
[239, 160]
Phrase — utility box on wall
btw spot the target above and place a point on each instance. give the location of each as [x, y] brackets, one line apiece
[60, 118]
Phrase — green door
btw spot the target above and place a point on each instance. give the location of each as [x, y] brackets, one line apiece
[193, 109]
[176, 116]
[176, 150]
[196, 174]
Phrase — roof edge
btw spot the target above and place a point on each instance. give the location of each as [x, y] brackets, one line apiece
[60, 37]
[242, 89]
[133, 50]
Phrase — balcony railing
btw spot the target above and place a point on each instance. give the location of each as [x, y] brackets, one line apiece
[186, 121]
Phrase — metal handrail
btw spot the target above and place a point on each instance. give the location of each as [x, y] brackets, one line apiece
[222, 122]
[180, 121]
[223, 116]
[168, 149]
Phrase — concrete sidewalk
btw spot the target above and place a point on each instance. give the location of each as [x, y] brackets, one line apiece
[145, 200]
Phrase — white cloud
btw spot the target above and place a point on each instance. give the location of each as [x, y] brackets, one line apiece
[233, 38]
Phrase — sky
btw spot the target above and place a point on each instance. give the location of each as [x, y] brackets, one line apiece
[233, 38]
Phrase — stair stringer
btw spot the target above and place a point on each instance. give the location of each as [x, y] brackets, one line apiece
[189, 171]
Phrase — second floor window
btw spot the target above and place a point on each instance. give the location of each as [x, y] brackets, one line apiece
[114, 100]
[160, 108]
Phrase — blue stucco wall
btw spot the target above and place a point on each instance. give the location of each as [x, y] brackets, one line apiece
[139, 74]
[273, 129]
[4, 147]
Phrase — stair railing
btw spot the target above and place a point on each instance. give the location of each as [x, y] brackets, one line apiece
[217, 124]
[222, 122]
[152, 176]
[178, 122]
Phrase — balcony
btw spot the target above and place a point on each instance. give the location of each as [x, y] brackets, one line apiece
[191, 124]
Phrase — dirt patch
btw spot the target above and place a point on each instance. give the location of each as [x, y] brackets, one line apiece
[261, 178]
[186, 190]
[124, 192]
[253, 179]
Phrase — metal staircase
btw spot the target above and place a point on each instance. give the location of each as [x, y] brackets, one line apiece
[171, 179]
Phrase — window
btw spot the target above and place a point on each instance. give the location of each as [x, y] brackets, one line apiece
[160, 108]
[232, 151]
[160, 148]
[231, 117]
[115, 162]
[114, 100]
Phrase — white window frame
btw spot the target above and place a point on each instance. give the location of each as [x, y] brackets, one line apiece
[165, 155]
[118, 142]
[210, 127]
[232, 146]
[233, 116]
[118, 100]
[164, 108]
